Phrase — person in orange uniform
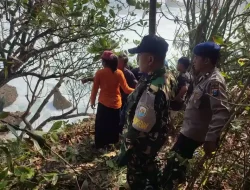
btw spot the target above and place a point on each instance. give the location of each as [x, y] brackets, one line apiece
[109, 80]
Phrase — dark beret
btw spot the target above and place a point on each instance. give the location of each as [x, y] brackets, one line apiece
[207, 49]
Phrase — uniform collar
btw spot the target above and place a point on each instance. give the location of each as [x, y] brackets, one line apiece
[203, 77]
[157, 73]
[206, 75]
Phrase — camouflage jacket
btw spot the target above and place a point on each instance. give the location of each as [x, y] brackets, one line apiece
[147, 113]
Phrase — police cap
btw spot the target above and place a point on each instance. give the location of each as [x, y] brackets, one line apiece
[207, 49]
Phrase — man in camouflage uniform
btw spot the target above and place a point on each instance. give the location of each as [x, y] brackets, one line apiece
[147, 115]
[205, 116]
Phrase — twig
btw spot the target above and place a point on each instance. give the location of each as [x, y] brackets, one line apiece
[242, 92]
[92, 180]
[66, 162]
[45, 101]
[241, 105]
[63, 116]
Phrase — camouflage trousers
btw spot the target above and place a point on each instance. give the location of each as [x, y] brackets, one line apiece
[142, 167]
[142, 171]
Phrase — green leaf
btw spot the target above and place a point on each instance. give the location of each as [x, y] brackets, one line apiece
[247, 6]
[40, 133]
[96, 58]
[218, 40]
[3, 185]
[145, 5]
[247, 108]
[243, 61]
[136, 42]
[54, 180]
[25, 1]
[8, 158]
[103, 42]
[54, 137]
[4, 114]
[112, 13]
[37, 147]
[78, 7]
[205, 181]
[131, 2]
[236, 127]
[24, 172]
[57, 125]
[138, 5]
[12, 130]
[76, 14]
[5, 71]
[110, 163]
[84, 1]
[3, 174]
[141, 22]
[71, 4]
[51, 177]
[158, 5]
[225, 75]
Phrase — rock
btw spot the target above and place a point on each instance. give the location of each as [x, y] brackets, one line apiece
[14, 118]
[60, 102]
[9, 94]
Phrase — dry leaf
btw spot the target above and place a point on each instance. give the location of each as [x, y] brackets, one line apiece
[110, 154]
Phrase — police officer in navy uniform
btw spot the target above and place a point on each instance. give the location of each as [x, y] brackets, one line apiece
[147, 115]
[205, 115]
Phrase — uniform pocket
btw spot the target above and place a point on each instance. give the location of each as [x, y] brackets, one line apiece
[195, 99]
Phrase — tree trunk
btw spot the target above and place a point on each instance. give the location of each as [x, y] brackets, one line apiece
[152, 17]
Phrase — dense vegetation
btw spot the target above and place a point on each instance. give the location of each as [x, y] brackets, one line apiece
[63, 40]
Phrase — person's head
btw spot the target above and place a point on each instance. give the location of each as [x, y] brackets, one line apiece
[151, 53]
[122, 61]
[183, 64]
[110, 60]
[206, 56]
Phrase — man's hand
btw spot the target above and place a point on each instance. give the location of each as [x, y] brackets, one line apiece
[209, 147]
[85, 80]
[93, 106]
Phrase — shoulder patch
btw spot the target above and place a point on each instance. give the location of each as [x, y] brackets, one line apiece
[215, 89]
